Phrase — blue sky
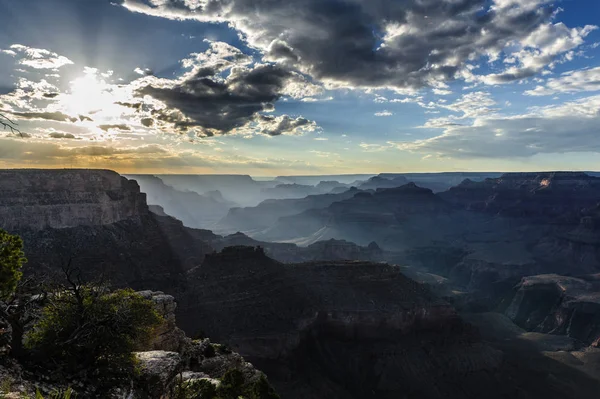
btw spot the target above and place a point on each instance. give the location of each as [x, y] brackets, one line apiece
[301, 87]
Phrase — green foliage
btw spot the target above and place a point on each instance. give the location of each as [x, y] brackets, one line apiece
[11, 261]
[88, 329]
[196, 389]
[67, 394]
[222, 349]
[261, 389]
[6, 385]
[232, 386]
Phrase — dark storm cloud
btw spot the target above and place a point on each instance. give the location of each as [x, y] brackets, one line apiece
[211, 104]
[370, 43]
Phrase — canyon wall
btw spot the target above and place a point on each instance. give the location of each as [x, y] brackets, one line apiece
[40, 199]
[99, 222]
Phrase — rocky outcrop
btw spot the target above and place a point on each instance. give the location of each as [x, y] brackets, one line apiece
[559, 305]
[40, 199]
[168, 337]
[158, 372]
[173, 358]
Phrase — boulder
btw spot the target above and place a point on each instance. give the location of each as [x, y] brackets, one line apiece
[158, 372]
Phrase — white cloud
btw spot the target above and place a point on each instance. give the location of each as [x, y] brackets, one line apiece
[39, 58]
[546, 46]
[384, 113]
[570, 82]
[569, 127]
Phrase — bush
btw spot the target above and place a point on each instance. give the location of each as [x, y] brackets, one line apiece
[11, 261]
[88, 330]
[261, 389]
[196, 389]
[233, 386]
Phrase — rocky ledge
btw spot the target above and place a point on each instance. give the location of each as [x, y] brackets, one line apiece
[165, 364]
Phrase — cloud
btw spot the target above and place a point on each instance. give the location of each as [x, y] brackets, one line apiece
[471, 105]
[570, 127]
[540, 49]
[143, 72]
[57, 135]
[403, 45]
[569, 82]
[38, 58]
[384, 113]
[49, 116]
[211, 104]
[373, 147]
[120, 126]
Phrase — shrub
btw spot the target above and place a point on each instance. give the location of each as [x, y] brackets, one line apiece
[196, 389]
[233, 386]
[222, 349]
[11, 261]
[88, 329]
[261, 389]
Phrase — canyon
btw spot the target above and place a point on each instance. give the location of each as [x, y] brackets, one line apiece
[367, 293]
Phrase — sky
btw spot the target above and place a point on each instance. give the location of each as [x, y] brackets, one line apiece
[298, 87]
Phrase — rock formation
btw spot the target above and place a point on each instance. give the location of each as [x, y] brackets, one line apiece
[41, 199]
[100, 223]
[559, 305]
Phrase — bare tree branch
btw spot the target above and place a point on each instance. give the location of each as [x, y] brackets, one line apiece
[8, 124]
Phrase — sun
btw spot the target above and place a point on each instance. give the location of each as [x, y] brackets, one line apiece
[89, 94]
